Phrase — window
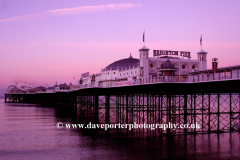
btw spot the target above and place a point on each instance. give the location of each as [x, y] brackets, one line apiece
[151, 65]
[183, 66]
[193, 67]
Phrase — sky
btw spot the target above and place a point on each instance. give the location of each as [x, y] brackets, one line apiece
[43, 42]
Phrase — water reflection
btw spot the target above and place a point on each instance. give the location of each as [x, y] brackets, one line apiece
[29, 132]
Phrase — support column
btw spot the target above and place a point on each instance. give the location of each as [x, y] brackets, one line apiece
[132, 108]
[107, 109]
[230, 99]
[161, 118]
[239, 112]
[203, 110]
[143, 108]
[147, 107]
[218, 113]
[185, 112]
[169, 112]
[96, 109]
[209, 113]
[126, 109]
[195, 129]
[117, 109]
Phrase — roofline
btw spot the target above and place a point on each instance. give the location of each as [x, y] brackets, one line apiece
[218, 69]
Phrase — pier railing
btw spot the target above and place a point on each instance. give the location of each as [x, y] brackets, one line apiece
[167, 79]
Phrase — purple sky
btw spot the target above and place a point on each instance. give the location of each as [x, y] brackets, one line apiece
[46, 41]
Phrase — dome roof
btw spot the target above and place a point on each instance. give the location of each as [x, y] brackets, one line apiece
[123, 63]
[202, 51]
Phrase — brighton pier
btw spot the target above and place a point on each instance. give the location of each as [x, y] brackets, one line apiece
[154, 95]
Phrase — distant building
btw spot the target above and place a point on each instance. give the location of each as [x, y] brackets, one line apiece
[61, 88]
[40, 89]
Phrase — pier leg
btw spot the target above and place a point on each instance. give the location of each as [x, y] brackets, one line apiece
[96, 108]
[139, 108]
[195, 129]
[126, 109]
[5, 98]
[143, 107]
[169, 112]
[117, 109]
[132, 108]
[185, 112]
[107, 109]
[203, 110]
[218, 125]
[239, 111]
[209, 113]
[230, 99]
[161, 118]
[147, 108]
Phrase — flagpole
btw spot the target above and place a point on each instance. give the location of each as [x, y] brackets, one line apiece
[144, 37]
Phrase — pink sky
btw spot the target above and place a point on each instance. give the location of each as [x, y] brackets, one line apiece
[46, 41]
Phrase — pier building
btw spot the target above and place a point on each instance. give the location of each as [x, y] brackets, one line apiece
[129, 70]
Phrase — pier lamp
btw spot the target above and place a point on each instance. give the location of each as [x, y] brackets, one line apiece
[214, 64]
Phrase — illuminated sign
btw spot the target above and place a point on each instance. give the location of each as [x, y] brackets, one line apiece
[85, 75]
[167, 53]
[164, 52]
[123, 83]
[185, 54]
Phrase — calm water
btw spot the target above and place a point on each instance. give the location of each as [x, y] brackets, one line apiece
[29, 132]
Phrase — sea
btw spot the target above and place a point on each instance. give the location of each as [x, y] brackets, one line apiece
[29, 132]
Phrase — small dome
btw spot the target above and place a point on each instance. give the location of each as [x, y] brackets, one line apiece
[168, 64]
[144, 48]
[55, 85]
[202, 51]
[123, 63]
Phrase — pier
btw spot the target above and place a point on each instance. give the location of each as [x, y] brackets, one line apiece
[214, 105]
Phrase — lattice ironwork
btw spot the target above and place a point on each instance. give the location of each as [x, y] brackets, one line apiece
[214, 112]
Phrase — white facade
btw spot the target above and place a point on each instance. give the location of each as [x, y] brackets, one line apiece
[145, 67]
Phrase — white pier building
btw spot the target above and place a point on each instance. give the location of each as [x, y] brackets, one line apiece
[163, 64]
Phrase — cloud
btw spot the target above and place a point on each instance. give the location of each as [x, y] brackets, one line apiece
[69, 11]
[86, 9]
